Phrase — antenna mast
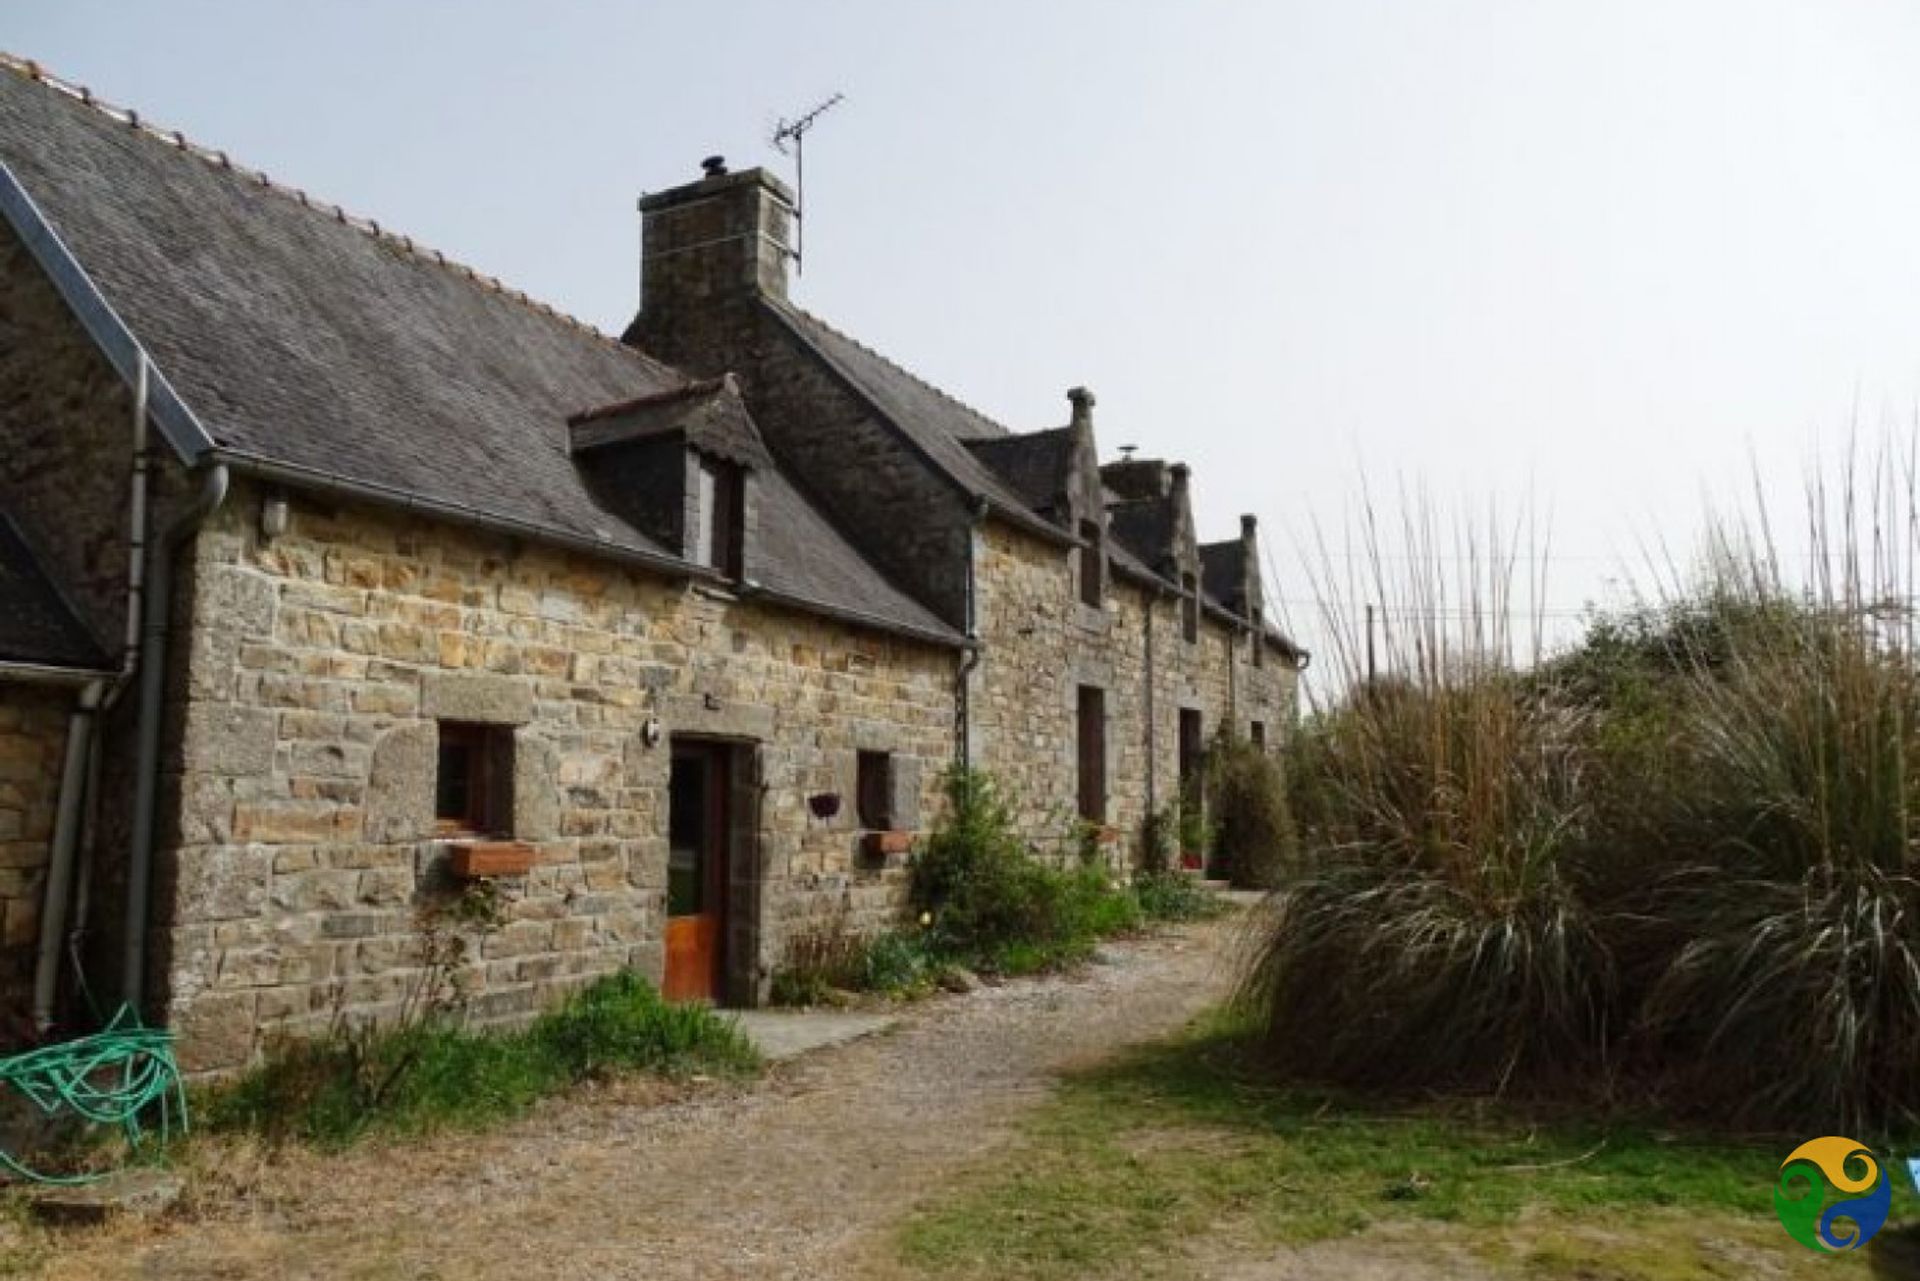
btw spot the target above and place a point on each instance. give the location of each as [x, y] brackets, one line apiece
[795, 132]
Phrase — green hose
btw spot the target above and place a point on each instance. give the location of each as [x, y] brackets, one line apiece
[109, 1078]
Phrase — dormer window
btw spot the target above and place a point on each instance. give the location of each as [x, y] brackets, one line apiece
[719, 502]
[1093, 558]
[1190, 608]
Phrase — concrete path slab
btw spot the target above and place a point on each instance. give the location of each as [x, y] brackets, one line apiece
[787, 1034]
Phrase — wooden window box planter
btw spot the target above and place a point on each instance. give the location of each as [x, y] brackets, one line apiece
[879, 845]
[474, 860]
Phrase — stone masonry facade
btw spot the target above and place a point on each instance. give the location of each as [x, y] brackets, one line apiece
[1042, 645]
[329, 657]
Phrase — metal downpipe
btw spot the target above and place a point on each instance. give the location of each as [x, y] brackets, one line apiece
[153, 681]
[66, 833]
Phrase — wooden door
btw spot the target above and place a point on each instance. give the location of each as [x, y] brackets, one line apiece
[697, 842]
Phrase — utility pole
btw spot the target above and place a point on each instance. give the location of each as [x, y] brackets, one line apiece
[1370, 671]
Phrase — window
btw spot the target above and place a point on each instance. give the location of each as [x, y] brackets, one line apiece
[874, 791]
[1092, 564]
[719, 503]
[1259, 639]
[473, 786]
[1093, 754]
[1192, 744]
[1258, 733]
[1190, 608]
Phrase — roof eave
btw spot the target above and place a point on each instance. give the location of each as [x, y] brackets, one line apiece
[49, 673]
[190, 439]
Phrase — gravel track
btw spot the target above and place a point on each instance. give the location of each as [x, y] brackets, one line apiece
[797, 1175]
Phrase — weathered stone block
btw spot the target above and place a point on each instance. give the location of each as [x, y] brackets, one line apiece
[215, 1031]
[224, 739]
[400, 782]
[221, 882]
[477, 697]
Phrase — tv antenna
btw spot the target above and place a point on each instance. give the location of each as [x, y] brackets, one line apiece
[795, 132]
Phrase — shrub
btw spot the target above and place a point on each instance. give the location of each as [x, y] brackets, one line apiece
[1174, 896]
[818, 959]
[621, 1023]
[992, 903]
[435, 1073]
[1159, 841]
[974, 875]
[1254, 830]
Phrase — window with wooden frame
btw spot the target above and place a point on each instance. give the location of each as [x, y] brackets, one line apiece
[1193, 745]
[473, 782]
[1258, 733]
[1093, 754]
[873, 793]
[720, 508]
[1190, 608]
[1093, 559]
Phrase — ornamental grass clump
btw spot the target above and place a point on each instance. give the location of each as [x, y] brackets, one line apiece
[1435, 930]
[1787, 930]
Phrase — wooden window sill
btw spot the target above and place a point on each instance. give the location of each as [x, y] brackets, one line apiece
[471, 858]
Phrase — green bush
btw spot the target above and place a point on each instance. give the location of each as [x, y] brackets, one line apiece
[1175, 896]
[992, 904]
[1247, 795]
[432, 1074]
[1159, 841]
[621, 1023]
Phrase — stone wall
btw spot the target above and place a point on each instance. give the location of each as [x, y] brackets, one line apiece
[33, 736]
[67, 423]
[1042, 644]
[325, 658]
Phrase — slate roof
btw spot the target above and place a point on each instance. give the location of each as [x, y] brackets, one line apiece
[709, 415]
[1222, 573]
[1035, 465]
[1144, 526]
[934, 423]
[36, 625]
[312, 343]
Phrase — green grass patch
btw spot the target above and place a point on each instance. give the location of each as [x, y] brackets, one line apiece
[436, 1074]
[1134, 1160]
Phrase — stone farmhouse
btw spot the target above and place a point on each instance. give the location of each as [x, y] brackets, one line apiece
[333, 574]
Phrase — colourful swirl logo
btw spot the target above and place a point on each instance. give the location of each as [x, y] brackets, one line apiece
[1818, 1170]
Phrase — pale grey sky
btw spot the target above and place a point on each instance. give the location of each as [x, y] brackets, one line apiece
[1599, 254]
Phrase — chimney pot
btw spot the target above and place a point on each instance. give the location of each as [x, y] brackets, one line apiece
[1249, 523]
[1179, 472]
[714, 166]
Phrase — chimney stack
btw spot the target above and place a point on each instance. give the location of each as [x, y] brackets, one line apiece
[1082, 401]
[726, 233]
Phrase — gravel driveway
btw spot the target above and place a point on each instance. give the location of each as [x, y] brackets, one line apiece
[797, 1175]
